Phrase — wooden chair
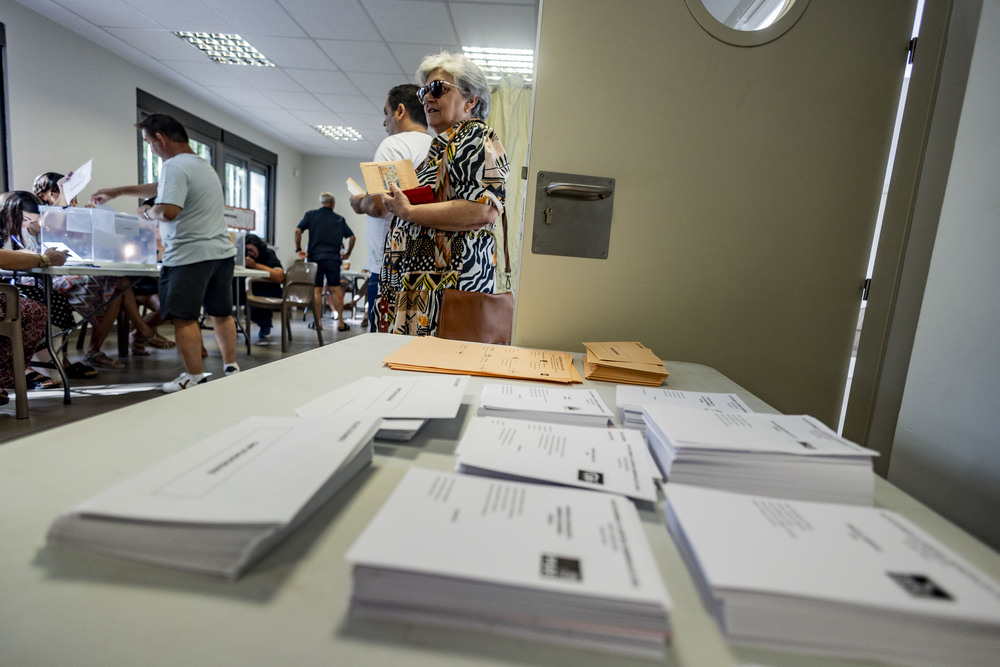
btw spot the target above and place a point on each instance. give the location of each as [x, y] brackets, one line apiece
[10, 326]
[298, 291]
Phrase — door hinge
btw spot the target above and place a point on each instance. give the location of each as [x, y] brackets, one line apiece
[865, 288]
[524, 173]
[911, 51]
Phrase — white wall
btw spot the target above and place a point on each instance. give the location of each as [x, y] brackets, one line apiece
[947, 445]
[330, 174]
[70, 101]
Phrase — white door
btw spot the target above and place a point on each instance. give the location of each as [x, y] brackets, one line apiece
[747, 181]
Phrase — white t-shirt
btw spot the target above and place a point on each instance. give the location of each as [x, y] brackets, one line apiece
[198, 233]
[411, 146]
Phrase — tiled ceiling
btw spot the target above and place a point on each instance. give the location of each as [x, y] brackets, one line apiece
[334, 59]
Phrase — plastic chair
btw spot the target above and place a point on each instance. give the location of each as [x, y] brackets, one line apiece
[354, 295]
[298, 291]
[10, 326]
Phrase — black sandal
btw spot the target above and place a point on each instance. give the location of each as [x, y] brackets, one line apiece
[81, 371]
[35, 380]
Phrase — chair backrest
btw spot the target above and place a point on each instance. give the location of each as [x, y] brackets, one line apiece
[300, 283]
[301, 272]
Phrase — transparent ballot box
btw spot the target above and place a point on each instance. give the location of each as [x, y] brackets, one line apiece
[239, 238]
[100, 235]
[124, 239]
[69, 228]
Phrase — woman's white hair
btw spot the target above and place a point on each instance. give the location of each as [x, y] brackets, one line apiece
[469, 78]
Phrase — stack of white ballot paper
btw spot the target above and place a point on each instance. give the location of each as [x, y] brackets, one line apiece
[549, 404]
[221, 504]
[403, 403]
[844, 580]
[615, 460]
[630, 399]
[528, 560]
[788, 456]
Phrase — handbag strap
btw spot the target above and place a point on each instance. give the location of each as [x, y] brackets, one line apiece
[503, 214]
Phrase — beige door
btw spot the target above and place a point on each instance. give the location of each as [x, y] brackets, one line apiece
[747, 185]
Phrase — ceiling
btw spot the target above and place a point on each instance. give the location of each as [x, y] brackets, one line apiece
[335, 60]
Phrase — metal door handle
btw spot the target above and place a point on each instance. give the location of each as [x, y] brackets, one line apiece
[578, 191]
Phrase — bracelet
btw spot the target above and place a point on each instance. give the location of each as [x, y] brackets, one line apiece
[44, 261]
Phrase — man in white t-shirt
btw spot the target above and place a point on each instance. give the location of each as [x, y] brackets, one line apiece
[408, 140]
[198, 253]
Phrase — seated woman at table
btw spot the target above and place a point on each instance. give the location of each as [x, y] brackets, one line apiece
[19, 215]
[34, 317]
[448, 242]
[259, 256]
[103, 295]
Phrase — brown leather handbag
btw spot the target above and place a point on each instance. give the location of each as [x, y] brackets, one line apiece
[479, 317]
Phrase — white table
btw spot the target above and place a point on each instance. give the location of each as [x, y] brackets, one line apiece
[112, 269]
[61, 607]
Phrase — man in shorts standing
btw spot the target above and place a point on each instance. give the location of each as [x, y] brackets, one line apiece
[198, 253]
[327, 231]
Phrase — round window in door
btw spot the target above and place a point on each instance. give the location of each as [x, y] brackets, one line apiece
[746, 22]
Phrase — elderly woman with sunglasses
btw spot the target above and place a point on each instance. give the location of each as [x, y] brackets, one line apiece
[447, 243]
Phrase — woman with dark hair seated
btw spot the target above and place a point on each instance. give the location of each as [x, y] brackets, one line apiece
[34, 317]
[19, 217]
[259, 256]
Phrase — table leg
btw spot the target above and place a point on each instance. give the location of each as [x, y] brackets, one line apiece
[55, 356]
[241, 316]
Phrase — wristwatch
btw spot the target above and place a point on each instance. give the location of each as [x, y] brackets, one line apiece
[44, 261]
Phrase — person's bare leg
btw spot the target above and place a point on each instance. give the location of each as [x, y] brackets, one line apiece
[319, 305]
[102, 325]
[131, 310]
[152, 318]
[225, 336]
[187, 333]
[338, 304]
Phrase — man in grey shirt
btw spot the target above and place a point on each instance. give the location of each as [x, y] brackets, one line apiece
[198, 253]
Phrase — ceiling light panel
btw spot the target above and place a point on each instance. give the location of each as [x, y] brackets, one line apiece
[339, 133]
[499, 62]
[226, 49]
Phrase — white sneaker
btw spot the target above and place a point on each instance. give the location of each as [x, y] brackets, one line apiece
[184, 381]
[231, 369]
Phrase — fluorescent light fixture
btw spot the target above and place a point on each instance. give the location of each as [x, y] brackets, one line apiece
[226, 49]
[498, 62]
[339, 133]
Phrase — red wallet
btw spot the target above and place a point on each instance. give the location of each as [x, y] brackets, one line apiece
[422, 195]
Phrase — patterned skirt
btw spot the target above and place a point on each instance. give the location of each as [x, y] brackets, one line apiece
[419, 264]
[33, 321]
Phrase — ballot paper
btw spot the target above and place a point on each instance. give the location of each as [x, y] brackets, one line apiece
[78, 180]
[788, 456]
[402, 403]
[529, 560]
[438, 355]
[551, 404]
[614, 460]
[630, 399]
[623, 361]
[380, 175]
[354, 188]
[221, 504]
[859, 582]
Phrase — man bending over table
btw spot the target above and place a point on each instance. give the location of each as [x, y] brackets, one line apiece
[198, 253]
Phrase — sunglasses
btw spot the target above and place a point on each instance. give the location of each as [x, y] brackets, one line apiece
[435, 89]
